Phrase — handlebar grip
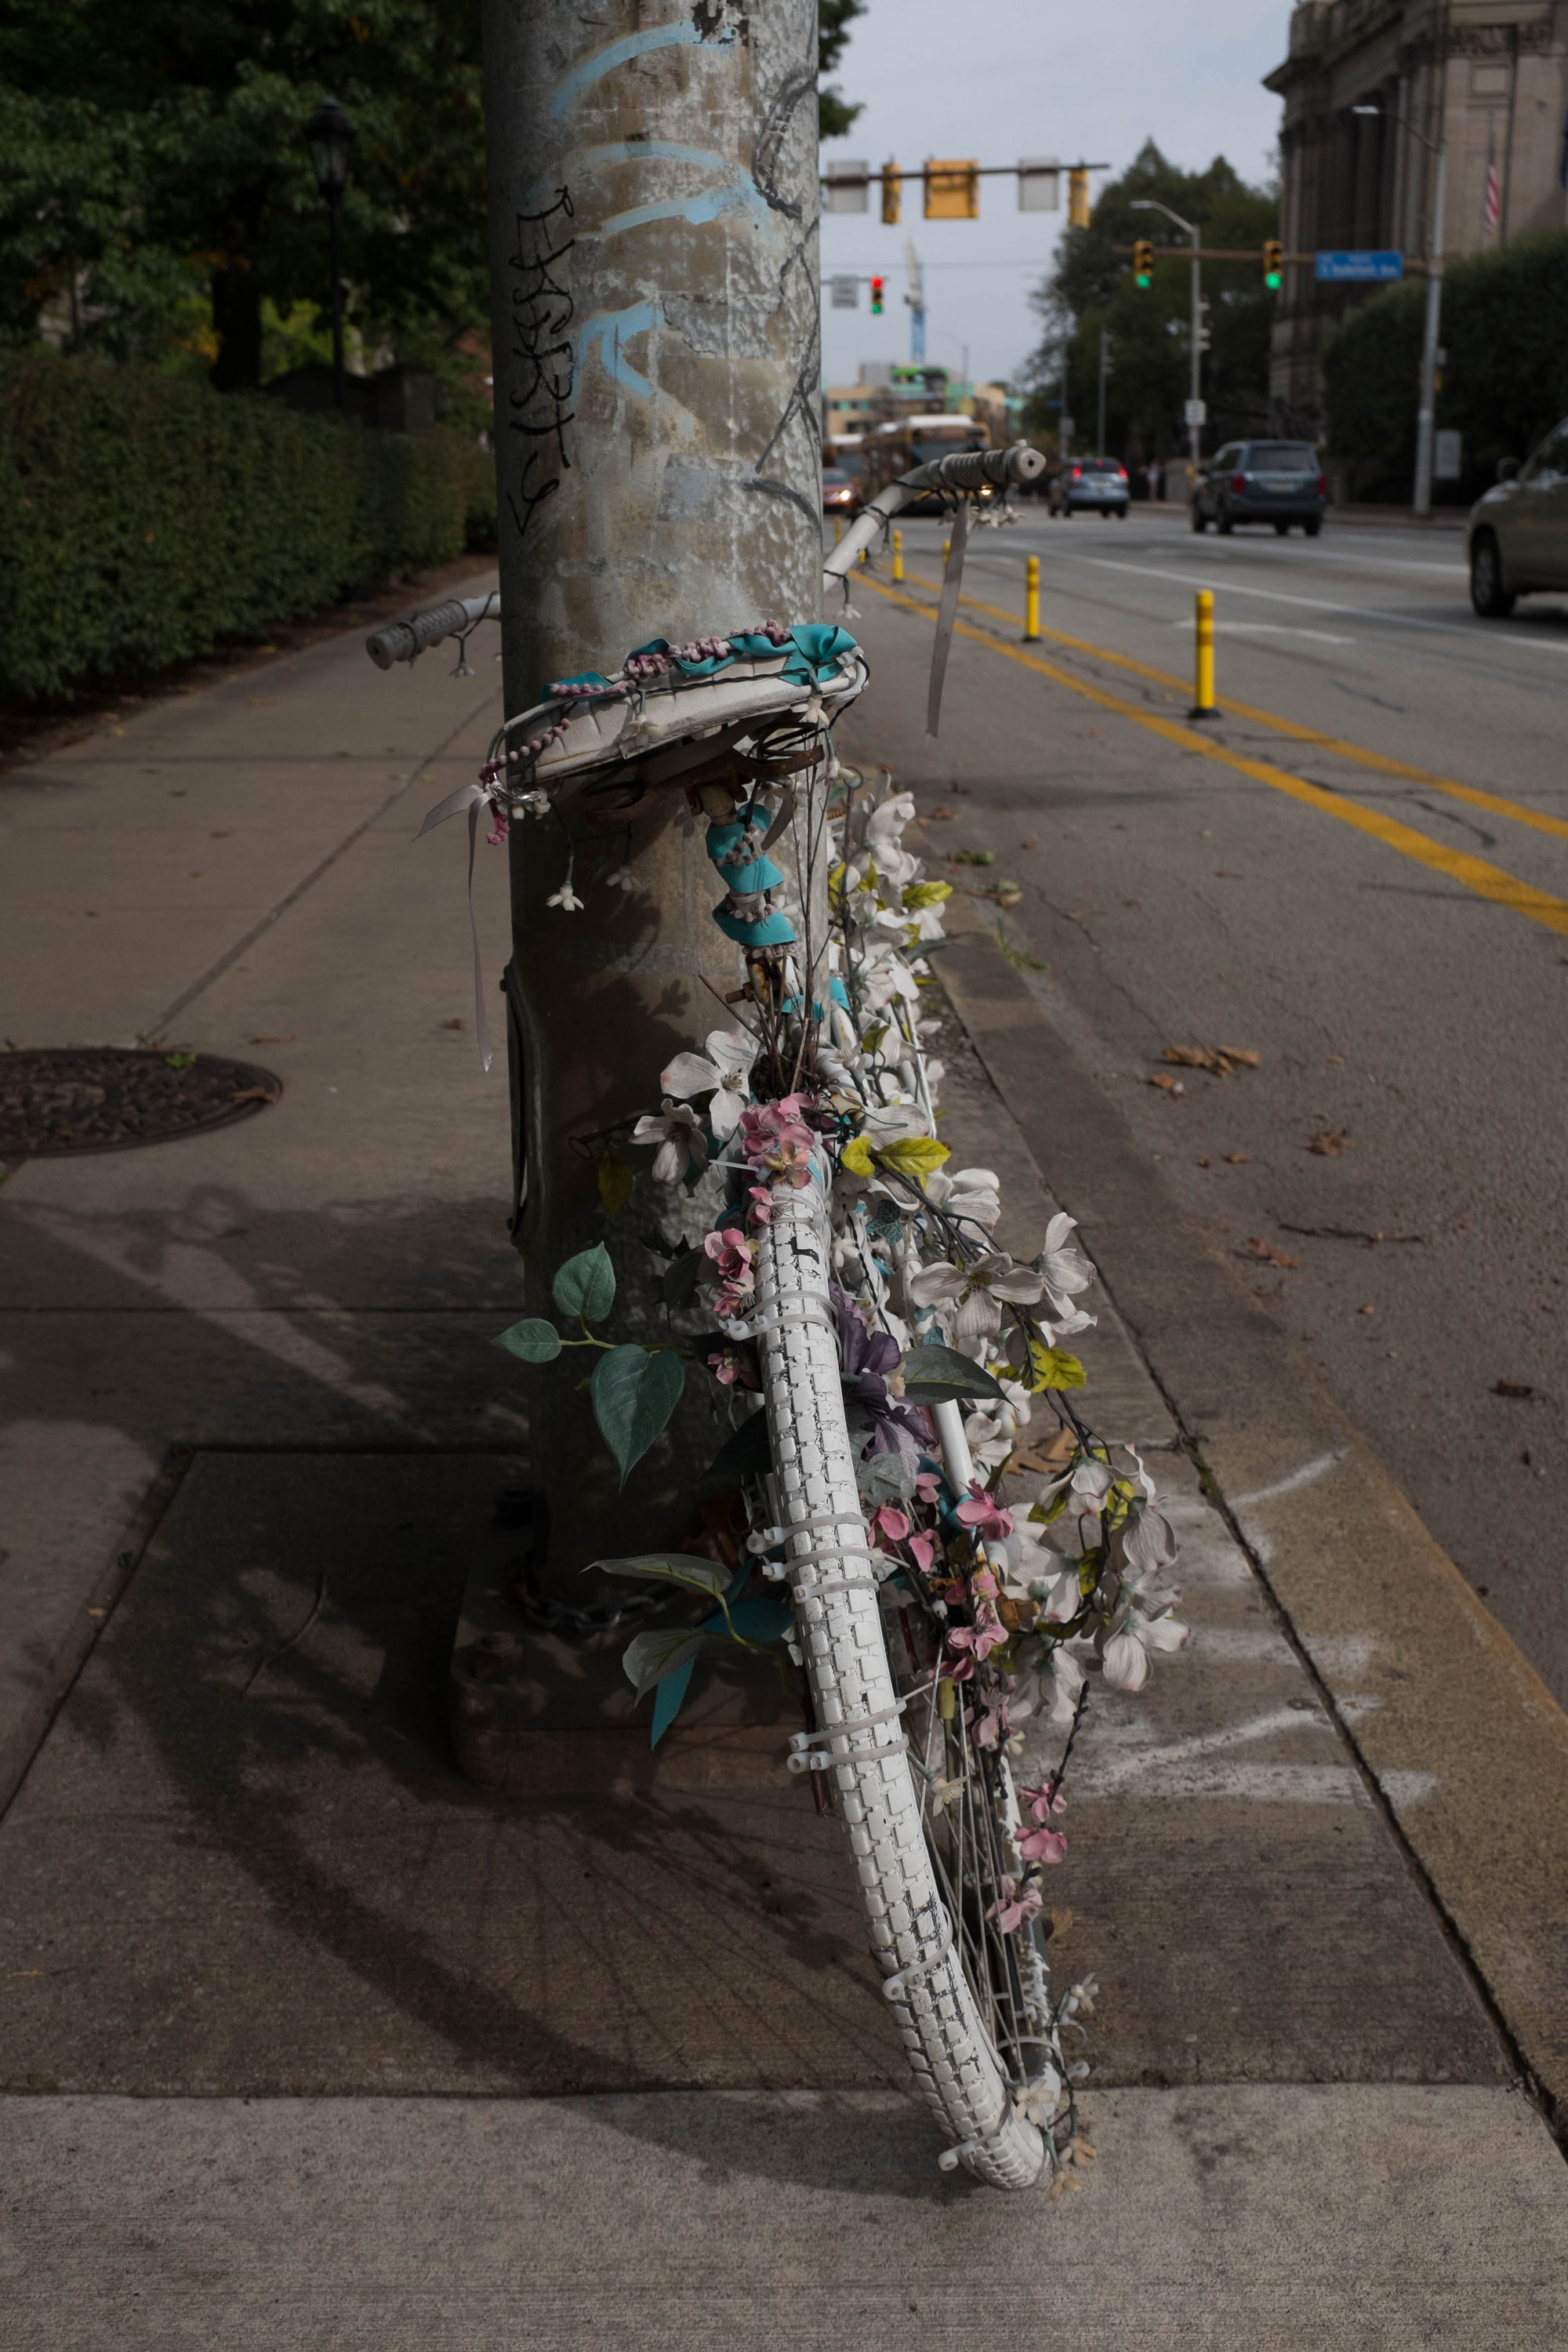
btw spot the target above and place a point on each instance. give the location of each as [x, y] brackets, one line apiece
[969, 469]
[401, 640]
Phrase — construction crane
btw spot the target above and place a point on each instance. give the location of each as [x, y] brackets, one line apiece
[916, 299]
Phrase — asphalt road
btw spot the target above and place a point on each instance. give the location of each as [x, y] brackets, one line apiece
[1393, 945]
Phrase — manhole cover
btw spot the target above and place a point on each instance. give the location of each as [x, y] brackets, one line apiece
[60, 1099]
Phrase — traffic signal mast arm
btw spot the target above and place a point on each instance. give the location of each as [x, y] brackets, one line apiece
[1413, 268]
[939, 171]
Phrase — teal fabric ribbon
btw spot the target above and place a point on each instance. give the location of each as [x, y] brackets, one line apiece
[811, 654]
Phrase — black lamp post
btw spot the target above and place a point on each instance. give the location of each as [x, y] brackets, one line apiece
[329, 136]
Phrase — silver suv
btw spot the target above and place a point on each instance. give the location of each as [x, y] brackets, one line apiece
[1517, 537]
[1261, 481]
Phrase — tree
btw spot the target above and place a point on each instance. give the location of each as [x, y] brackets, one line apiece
[1505, 380]
[833, 118]
[153, 156]
[1092, 287]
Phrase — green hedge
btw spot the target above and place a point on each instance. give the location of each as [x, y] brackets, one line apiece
[1505, 330]
[143, 518]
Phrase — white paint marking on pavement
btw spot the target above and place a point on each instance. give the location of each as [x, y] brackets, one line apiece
[1305, 1476]
[1476, 630]
[1267, 629]
[1341, 1654]
[1241, 1645]
[1404, 1789]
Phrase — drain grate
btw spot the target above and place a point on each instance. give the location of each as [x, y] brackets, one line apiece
[57, 1099]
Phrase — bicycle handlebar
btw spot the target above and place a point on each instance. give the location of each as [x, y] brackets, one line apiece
[405, 640]
[961, 469]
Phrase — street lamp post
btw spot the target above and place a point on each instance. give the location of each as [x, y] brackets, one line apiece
[1194, 430]
[329, 136]
[1426, 410]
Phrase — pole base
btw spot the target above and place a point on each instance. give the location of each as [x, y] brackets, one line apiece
[1204, 710]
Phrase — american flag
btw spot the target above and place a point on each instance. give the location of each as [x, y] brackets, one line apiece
[1494, 192]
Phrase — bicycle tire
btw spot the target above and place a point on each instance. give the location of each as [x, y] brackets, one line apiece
[858, 1709]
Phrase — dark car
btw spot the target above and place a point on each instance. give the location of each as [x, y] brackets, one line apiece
[1090, 485]
[840, 491]
[1276, 482]
[1517, 533]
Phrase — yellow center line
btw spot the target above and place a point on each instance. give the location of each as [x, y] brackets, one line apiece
[1377, 761]
[1487, 881]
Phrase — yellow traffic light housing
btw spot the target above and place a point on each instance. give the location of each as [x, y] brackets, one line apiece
[952, 190]
[1143, 261]
[1077, 197]
[1273, 264]
[893, 193]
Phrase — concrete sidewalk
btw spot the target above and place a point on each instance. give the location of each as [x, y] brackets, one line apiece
[310, 2043]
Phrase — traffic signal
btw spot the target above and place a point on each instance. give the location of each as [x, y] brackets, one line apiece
[893, 193]
[951, 190]
[876, 285]
[1143, 261]
[1273, 264]
[1077, 197]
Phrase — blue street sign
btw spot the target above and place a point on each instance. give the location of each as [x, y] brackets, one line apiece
[1334, 269]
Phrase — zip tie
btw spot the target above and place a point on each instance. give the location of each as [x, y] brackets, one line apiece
[893, 1986]
[804, 1757]
[799, 1592]
[829, 1519]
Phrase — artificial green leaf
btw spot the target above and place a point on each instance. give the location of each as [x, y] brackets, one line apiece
[534, 1340]
[857, 1157]
[678, 1279]
[745, 1454]
[635, 1390]
[668, 1700]
[936, 1375]
[616, 1178]
[585, 1284]
[680, 1567]
[1052, 1368]
[649, 1657]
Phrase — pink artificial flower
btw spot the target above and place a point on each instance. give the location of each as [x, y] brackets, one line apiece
[928, 1486]
[496, 837]
[967, 1644]
[761, 1209]
[776, 1142]
[1012, 1908]
[733, 1368]
[1043, 1845]
[731, 1254]
[984, 1513]
[925, 1550]
[991, 1725]
[889, 1523]
[1044, 1801]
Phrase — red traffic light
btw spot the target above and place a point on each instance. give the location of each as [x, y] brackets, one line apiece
[876, 285]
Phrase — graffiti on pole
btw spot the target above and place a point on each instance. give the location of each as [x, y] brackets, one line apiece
[545, 376]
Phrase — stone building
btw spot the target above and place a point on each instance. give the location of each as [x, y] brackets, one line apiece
[1487, 77]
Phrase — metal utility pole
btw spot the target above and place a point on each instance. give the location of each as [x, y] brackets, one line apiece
[916, 299]
[1104, 371]
[1194, 399]
[653, 213]
[1426, 406]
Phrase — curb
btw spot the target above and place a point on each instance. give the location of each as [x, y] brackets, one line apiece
[1467, 1744]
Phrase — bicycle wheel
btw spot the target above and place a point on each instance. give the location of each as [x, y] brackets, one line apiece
[953, 1989]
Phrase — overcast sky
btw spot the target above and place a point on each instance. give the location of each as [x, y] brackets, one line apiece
[1045, 81]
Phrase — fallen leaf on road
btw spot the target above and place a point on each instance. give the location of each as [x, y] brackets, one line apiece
[1026, 844]
[938, 815]
[1167, 1085]
[254, 1094]
[1060, 1922]
[1235, 1159]
[1218, 1060]
[451, 1024]
[1366, 1311]
[1513, 1388]
[1327, 1145]
[1266, 1252]
[269, 1037]
[1044, 1458]
[973, 856]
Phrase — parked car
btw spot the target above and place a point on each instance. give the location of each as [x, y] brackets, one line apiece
[840, 491]
[1088, 486]
[1276, 482]
[1517, 536]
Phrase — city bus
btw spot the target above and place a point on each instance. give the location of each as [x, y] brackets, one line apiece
[892, 450]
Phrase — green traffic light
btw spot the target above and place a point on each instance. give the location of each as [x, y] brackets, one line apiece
[1144, 279]
[1272, 280]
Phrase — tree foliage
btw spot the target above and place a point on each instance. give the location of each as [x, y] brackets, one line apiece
[1092, 287]
[833, 18]
[1506, 379]
[151, 162]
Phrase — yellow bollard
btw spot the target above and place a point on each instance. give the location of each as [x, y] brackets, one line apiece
[946, 551]
[898, 555]
[1202, 637]
[865, 555]
[1032, 601]
[838, 529]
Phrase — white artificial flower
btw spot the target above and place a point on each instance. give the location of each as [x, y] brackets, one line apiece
[1133, 1635]
[1047, 1688]
[625, 877]
[976, 1290]
[566, 898]
[1064, 1268]
[677, 1131]
[1039, 2100]
[974, 1192]
[725, 1075]
[532, 805]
